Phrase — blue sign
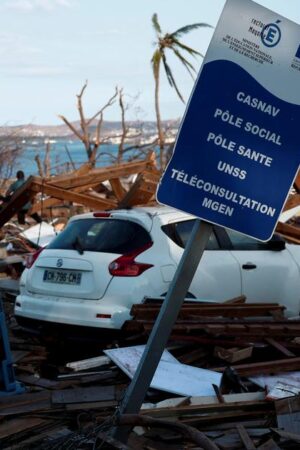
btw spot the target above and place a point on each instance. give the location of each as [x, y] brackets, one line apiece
[238, 148]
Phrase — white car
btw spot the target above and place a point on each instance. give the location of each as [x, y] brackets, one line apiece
[102, 263]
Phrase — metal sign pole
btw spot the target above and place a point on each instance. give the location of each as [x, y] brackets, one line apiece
[161, 331]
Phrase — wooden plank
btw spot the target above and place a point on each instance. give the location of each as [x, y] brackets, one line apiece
[220, 418]
[286, 435]
[91, 405]
[245, 438]
[42, 205]
[24, 403]
[102, 174]
[51, 202]
[191, 357]
[233, 355]
[269, 367]
[84, 395]
[288, 230]
[269, 445]
[63, 194]
[142, 191]
[232, 329]
[287, 405]
[147, 310]
[89, 363]
[241, 299]
[281, 348]
[83, 169]
[209, 409]
[228, 441]
[292, 201]
[15, 426]
[117, 188]
[50, 430]
[171, 403]
[31, 380]
[289, 238]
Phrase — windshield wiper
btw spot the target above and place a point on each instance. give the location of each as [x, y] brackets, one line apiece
[77, 245]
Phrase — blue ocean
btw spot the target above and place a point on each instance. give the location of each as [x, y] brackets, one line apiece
[64, 155]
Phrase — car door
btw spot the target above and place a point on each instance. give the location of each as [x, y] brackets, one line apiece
[268, 275]
[218, 276]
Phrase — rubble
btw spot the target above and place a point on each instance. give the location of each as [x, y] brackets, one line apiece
[74, 404]
[250, 351]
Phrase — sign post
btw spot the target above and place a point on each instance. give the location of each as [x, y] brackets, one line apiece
[237, 151]
[160, 333]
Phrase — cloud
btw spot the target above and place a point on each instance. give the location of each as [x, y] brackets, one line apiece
[35, 71]
[14, 45]
[33, 5]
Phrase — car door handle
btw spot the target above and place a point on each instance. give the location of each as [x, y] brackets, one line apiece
[249, 266]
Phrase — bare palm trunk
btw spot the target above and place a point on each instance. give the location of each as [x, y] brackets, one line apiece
[124, 128]
[161, 137]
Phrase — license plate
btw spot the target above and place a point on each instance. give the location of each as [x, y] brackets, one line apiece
[62, 277]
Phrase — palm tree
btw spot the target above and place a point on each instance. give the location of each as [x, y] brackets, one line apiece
[170, 41]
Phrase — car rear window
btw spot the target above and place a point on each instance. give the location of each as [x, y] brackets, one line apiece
[101, 235]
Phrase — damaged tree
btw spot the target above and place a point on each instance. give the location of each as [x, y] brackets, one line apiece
[90, 141]
[10, 150]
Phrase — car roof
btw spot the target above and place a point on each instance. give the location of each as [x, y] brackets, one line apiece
[165, 214]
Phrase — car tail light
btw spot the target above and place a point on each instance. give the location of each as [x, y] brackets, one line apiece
[126, 266]
[30, 259]
[102, 214]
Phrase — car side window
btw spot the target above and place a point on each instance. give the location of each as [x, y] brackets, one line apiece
[180, 232]
[241, 242]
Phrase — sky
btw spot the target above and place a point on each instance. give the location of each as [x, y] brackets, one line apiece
[49, 48]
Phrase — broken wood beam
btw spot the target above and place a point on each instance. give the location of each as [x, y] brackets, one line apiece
[292, 201]
[280, 347]
[50, 202]
[238, 329]
[19, 198]
[143, 189]
[245, 438]
[102, 174]
[288, 230]
[268, 367]
[150, 311]
[117, 188]
[64, 194]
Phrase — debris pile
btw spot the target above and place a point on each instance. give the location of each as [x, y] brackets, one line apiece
[229, 380]
[231, 332]
[94, 188]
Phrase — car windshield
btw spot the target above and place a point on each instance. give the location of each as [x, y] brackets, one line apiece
[101, 235]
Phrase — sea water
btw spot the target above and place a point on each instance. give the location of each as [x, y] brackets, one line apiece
[64, 155]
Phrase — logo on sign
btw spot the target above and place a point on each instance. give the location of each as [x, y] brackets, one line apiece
[59, 262]
[271, 34]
